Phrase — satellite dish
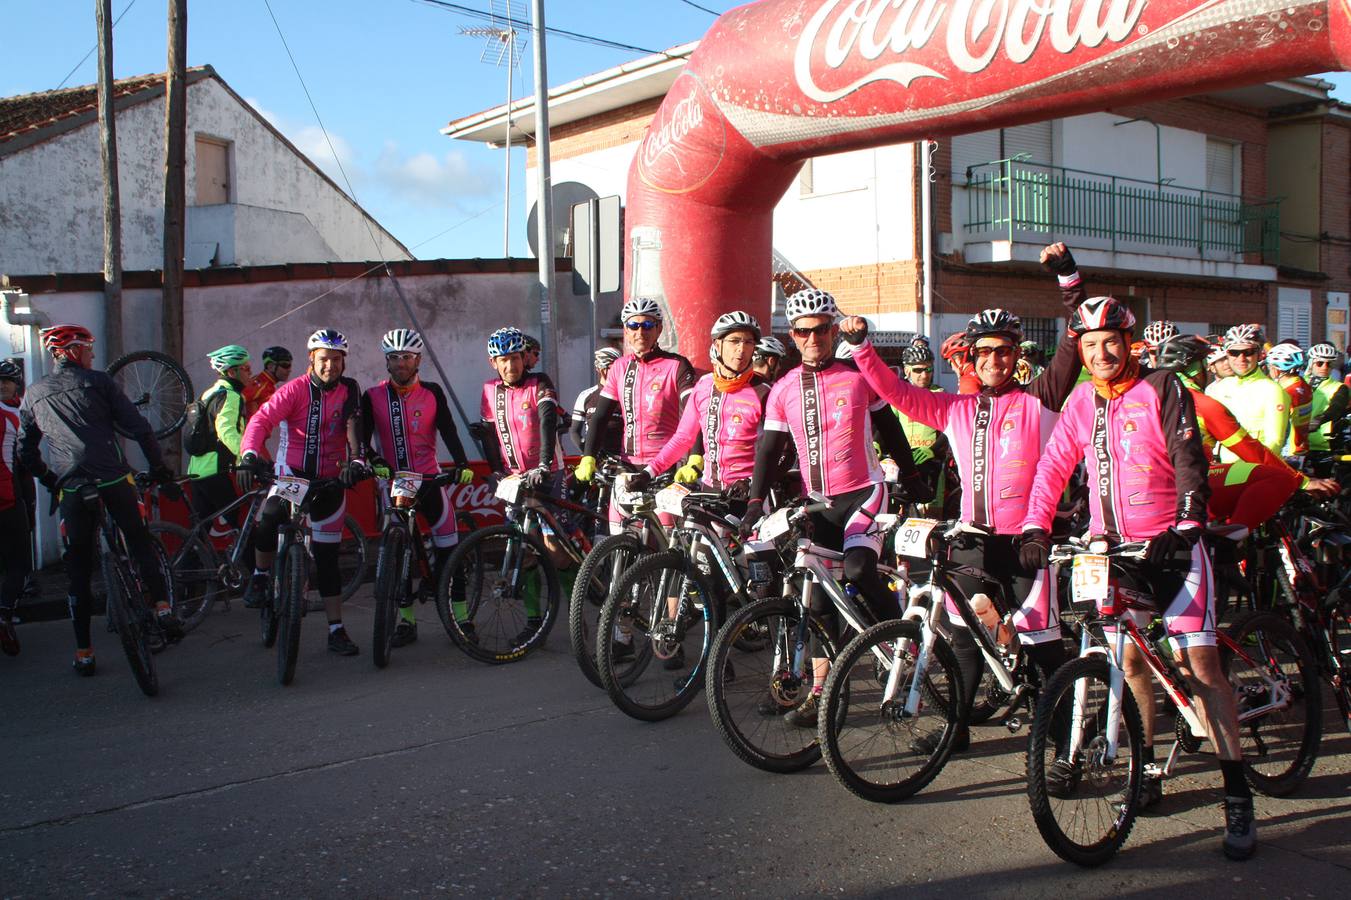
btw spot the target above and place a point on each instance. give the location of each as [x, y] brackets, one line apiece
[565, 196]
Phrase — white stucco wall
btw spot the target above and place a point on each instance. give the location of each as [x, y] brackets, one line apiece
[51, 196]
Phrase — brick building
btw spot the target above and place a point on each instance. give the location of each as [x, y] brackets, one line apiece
[1209, 210]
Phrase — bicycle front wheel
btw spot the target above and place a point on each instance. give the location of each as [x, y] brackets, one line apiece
[599, 571]
[499, 594]
[157, 386]
[1086, 808]
[194, 571]
[389, 585]
[889, 713]
[1278, 699]
[654, 634]
[755, 679]
[126, 612]
[290, 603]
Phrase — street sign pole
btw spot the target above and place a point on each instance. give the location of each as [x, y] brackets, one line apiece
[545, 219]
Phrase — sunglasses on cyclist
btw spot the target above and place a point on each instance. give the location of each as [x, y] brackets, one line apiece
[821, 330]
[646, 325]
[919, 370]
[1004, 352]
[1251, 351]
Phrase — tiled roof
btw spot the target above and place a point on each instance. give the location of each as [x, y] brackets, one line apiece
[27, 113]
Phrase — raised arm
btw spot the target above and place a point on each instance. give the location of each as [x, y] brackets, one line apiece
[928, 407]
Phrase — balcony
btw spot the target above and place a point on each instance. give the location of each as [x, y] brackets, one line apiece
[1014, 206]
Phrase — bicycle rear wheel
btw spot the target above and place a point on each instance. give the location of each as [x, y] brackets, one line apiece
[126, 611]
[1087, 816]
[1271, 667]
[499, 594]
[670, 613]
[194, 569]
[157, 386]
[752, 684]
[389, 584]
[291, 609]
[883, 738]
[599, 571]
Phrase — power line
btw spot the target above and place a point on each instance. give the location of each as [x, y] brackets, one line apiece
[701, 8]
[93, 48]
[520, 23]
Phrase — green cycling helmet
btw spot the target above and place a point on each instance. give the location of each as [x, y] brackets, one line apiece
[228, 357]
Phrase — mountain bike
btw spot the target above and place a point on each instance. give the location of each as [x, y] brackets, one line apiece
[280, 617]
[762, 662]
[657, 625]
[130, 614]
[1087, 716]
[609, 558]
[886, 730]
[499, 592]
[404, 551]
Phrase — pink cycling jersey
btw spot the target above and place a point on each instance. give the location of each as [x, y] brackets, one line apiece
[1146, 463]
[405, 424]
[828, 413]
[512, 413]
[996, 437]
[650, 392]
[313, 424]
[729, 423]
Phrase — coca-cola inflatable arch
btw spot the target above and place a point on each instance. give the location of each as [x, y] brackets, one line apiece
[779, 81]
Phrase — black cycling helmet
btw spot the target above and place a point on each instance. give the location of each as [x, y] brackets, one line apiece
[917, 352]
[992, 322]
[276, 355]
[10, 371]
[1185, 353]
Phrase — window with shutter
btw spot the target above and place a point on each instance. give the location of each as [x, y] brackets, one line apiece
[1221, 166]
[1294, 315]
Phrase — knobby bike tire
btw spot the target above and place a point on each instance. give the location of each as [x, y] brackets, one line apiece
[940, 692]
[194, 567]
[158, 386]
[622, 682]
[292, 602]
[389, 584]
[1069, 847]
[127, 615]
[727, 657]
[467, 569]
[589, 592]
[352, 561]
[1339, 663]
[1272, 770]
[269, 614]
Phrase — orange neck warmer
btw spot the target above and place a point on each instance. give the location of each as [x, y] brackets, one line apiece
[727, 385]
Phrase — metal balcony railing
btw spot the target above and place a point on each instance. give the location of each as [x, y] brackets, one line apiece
[1016, 197]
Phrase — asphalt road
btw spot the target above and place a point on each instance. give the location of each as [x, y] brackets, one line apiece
[439, 775]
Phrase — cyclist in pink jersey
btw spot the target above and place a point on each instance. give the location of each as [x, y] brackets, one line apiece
[830, 413]
[404, 414]
[1137, 433]
[996, 436]
[651, 387]
[519, 411]
[722, 418]
[319, 439]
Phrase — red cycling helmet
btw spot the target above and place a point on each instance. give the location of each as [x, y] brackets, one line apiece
[59, 337]
[954, 347]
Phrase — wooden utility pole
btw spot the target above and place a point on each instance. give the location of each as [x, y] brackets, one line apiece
[112, 215]
[175, 153]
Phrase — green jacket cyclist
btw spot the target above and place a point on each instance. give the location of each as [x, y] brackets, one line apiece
[213, 488]
[1330, 398]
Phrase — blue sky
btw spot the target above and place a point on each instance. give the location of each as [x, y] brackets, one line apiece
[386, 75]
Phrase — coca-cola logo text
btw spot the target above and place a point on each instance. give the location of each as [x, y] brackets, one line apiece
[846, 35]
[685, 142]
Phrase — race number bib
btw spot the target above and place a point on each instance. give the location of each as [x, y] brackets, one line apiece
[774, 526]
[405, 484]
[509, 489]
[912, 538]
[290, 488]
[1089, 578]
[671, 499]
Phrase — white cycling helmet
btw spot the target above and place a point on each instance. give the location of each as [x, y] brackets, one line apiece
[736, 320]
[769, 345]
[810, 302]
[640, 306]
[1324, 352]
[1249, 335]
[605, 357]
[327, 339]
[1157, 332]
[1215, 354]
[401, 340]
[1286, 357]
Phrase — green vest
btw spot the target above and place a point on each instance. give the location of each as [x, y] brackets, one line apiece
[1322, 397]
[229, 425]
